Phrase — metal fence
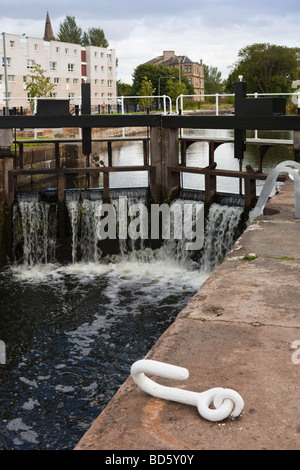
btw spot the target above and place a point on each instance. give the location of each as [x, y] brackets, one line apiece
[131, 104]
[180, 100]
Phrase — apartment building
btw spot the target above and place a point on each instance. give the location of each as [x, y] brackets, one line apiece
[193, 71]
[67, 65]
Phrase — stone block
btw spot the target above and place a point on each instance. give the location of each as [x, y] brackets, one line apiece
[6, 138]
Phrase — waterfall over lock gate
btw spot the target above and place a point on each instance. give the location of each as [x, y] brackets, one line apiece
[35, 227]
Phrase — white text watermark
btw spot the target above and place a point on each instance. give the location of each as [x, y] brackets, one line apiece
[137, 221]
[296, 354]
[2, 352]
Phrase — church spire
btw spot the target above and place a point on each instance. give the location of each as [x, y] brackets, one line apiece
[48, 34]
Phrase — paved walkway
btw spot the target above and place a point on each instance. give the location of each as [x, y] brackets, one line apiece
[236, 332]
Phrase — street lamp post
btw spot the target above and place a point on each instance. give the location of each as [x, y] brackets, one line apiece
[5, 75]
[159, 78]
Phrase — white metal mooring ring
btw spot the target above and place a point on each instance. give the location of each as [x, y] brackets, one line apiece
[227, 402]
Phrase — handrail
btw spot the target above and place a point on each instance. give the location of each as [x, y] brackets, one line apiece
[283, 167]
[165, 98]
[217, 96]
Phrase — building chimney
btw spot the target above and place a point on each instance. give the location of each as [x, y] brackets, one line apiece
[168, 55]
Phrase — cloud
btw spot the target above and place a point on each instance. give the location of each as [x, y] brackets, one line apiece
[213, 30]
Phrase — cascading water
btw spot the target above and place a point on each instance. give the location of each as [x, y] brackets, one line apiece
[220, 234]
[35, 229]
[73, 330]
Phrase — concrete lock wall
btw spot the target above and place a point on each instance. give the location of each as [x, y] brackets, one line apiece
[6, 164]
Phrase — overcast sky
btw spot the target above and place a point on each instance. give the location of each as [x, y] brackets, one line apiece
[212, 30]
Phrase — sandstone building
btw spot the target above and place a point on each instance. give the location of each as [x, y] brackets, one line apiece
[193, 71]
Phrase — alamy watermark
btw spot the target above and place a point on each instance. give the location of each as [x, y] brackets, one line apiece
[2, 352]
[296, 354]
[179, 221]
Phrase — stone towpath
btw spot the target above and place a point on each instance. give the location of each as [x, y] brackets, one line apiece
[239, 331]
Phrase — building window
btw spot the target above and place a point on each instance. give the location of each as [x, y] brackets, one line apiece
[95, 54]
[11, 43]
[110, 70]
[35, 47]
[52, 65]
[102, 69]
[75, 51]
[71, 95]
[70, 67]
[56, 80]
[66, 50]
[57, 50]
[96, 81]
[10, 78]
[108, 56]
[75, 81]
[8, 62]
[30, 64]
[187, 68]
[109, 83]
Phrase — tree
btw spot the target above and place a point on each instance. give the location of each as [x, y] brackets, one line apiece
[124, 89]
[38, 85]
[69, 31]
[159, 75]
[213, 80]
[97, 37]
[267, 68]
[176, 88]
[146, 90]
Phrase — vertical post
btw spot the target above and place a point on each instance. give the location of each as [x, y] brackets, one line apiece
[61, 186]
[7, 160]
[165, 104]
[170, 157]
[105, 186]
[61, 211]
[217, 104]
[57, 156]
[255, 132]
[109, 152]
[86, 109]
[156, 157]
[5, 75]
[296, 145]
[86, 131]
[211, 152]
[210, 186]
[21, 154]
[145, 151]
[183, 147]
[239, 134]
[250, 190]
